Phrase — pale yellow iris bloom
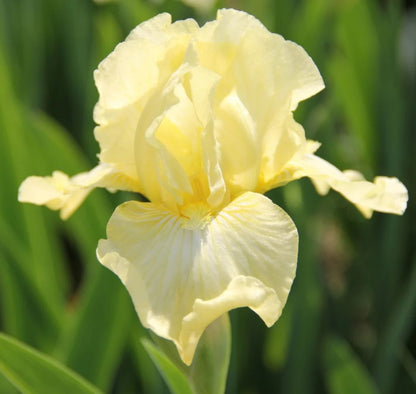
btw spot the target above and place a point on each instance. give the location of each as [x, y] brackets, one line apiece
[199, 120]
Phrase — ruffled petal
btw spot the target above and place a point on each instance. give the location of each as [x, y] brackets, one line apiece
[263, 78]
[60, 192]
[128, 78]
[384, 194]
[155, 48]
[116, 137]
[56, 192]
[117, 78]
[166, 153]
[215, 177]
[184, 272]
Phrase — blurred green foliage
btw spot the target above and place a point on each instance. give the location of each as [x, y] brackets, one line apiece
[349, 322]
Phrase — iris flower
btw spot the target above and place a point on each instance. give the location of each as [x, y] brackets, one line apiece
[199, 120]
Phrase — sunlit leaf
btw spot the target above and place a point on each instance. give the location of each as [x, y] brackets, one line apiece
[32, 372]
[173, 376]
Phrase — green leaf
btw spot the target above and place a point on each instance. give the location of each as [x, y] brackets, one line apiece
[173, 376]
[32, 372]
[209, 369]
[345, 373]
[354, 74]
[7, 387]
[306, 298]
[145, 369]
[96, 330]
[397, 330]
[28, 226]
[56, 146]
[97, 334]
[277, 339]
[29, 307]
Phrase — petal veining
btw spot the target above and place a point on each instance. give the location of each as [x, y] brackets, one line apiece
[182, 277]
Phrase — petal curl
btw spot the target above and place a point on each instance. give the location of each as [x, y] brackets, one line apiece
[128, 78]
[184, 272]
[264, 77]
[56, 192]
[60, 192]
[384, 194]
[117, 78]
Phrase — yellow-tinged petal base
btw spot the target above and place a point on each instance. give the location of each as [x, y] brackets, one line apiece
[182, 276]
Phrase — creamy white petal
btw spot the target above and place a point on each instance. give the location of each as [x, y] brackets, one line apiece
[60, 192]
[263, 78]
[184, 272]
[116, 136]
[229, 26]
[134, 72]
[56, 192]
[165, 149]
[152, 30]
[238, 143]
[160, 28]
[133, 68]
[231, 82]
[211, 157]
[141, 63]
[384, 194]
[117, 78]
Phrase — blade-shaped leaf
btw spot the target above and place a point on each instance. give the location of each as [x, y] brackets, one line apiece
[344, 372]
[145, 369]
[32, 372]
[397, 329]
[209, 369]
[97, 333]
[173, 376]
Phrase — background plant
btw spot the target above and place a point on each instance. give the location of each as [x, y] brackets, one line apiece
[349, 323]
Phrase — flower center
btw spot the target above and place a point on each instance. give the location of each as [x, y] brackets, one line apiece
[195, 216]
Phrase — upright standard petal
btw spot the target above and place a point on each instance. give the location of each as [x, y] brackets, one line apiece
[263, 78]
[136, 70]
[183, 272]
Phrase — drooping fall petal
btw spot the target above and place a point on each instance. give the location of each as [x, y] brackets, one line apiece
[184, 272]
